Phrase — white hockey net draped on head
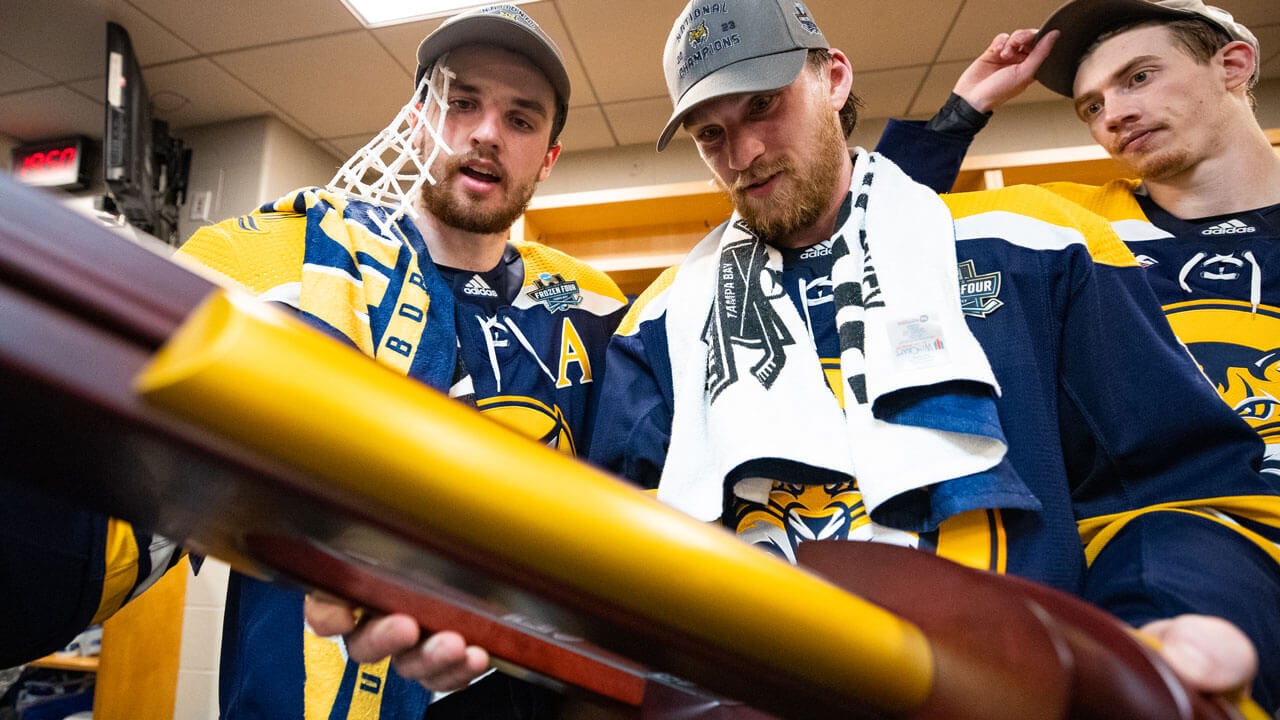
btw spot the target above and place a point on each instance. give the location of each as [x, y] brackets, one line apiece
[391, 168]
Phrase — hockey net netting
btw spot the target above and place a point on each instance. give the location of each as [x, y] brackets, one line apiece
[392, 167]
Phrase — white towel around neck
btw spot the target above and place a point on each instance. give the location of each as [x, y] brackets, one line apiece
[725, 414]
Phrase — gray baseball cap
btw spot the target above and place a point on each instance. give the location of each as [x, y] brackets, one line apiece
[1082, 22]
[734, 46]
[505, 26]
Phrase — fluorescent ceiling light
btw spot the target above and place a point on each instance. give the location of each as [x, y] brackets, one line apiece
[377, 13]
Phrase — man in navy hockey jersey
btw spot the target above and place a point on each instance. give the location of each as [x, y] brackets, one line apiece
[1044, 422]
[518, 328]
[1166, 89]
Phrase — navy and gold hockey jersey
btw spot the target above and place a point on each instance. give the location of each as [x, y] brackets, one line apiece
[65, 568]
[529, 333]
[1152, 502]
[1218, 279]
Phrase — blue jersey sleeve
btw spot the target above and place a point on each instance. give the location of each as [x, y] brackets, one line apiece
[929, 157]
[63, 568]
[633, 428]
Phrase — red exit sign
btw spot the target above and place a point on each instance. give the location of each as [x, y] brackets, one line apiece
[55, 163]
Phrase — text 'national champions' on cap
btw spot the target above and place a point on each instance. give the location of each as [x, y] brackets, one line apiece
[734, 46]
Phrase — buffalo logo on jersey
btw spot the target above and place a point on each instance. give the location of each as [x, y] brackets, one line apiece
[1237, 349]
[556, 293]
[743, 316]
[979, 292]
[797, 513]
[532, 419]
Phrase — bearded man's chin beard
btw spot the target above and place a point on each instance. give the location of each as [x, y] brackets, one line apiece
[469, 217]
[789, 209]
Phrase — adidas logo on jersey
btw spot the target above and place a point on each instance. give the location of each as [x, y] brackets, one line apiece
[822, 249]
[477, 287]
[819, 250]
[1230, 227]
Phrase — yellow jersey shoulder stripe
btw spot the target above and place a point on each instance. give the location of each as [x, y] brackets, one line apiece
[1023, 213]
[650, 304]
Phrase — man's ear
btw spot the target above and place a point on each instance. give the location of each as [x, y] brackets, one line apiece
[549, 161]
[415, 132]
[1238, 61]
[840, 77]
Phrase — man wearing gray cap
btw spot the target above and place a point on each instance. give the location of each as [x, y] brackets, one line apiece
[426, 281]
[810, 373]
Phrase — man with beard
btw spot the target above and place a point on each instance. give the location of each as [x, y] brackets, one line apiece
[810, 373]
[529, 325]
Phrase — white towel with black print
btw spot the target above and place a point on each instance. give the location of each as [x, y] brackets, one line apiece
[752, 404]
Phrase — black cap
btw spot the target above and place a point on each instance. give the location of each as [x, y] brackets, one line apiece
[1082, 22]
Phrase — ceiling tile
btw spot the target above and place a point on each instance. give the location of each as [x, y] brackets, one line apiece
[15, 76]
[345, 147]
[620, 43]
[152, 42]
[401, 41]
[339, 85]
[66, 39]
[979, 22]
[888, 93]
[49, 113]
[220, 96]
[50, 37]
[872, 33]
[936, 88]
[587, 130]
[640, 121]
[339, 157]
[231, 24]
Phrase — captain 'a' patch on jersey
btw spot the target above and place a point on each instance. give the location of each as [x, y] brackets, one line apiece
[531, 371]
[1239, 351]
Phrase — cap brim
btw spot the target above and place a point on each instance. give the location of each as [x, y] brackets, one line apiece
[758, 74]
[499, 31]
[1081, 23]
